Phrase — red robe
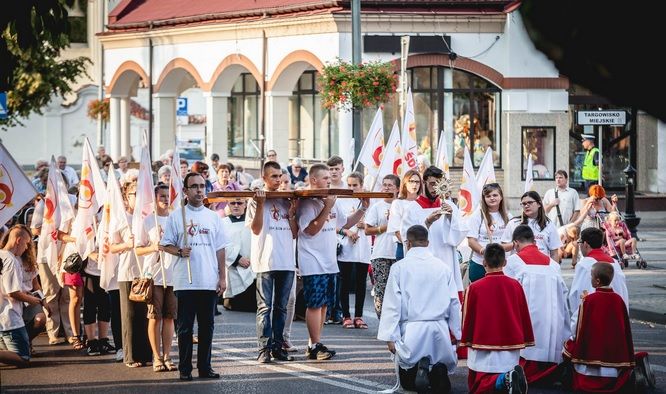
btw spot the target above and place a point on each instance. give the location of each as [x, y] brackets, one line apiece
[535, 371]
[425, 202]
[603, 338]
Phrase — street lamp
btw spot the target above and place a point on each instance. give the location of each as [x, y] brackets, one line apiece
[629, 214]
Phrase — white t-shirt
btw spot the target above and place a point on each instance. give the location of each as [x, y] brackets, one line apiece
[205, 235]
[478, 229]
[355, 252]
[11, 310]
[151, 261]
[317, 254]
[128, 267]
[398, 208]
[92, 268]
[272, 249]
[378, 215]
[28, 276]
[569, 203]
[546, 239]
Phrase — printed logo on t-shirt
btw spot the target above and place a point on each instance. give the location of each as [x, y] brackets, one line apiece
[196, 229]
[332, 215]
[275, 213]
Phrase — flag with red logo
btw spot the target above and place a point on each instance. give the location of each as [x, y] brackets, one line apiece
[486, 172]
[16, 190]
[175, 182]
[529, 176]
[92, 194]
[114, 219]
[442, 155]
[145, 191]
[468, 192]
[373, 149]
[409, 144]
[58, 212]
[392, 161]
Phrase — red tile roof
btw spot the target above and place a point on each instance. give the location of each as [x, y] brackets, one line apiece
[139, 14]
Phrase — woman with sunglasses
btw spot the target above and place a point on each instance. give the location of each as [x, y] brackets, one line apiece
[533, 215]
[593, 205]
[410, 189]
[486, 226]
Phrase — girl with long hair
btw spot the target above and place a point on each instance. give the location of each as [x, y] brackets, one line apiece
[411, 188]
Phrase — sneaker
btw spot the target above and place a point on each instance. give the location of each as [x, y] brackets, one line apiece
[93, 348]
[318, 352]
[422, 381]
[281, 355]
[516, 382]
[289, 347]
[105, 347]
[264, 356]
[120, 357]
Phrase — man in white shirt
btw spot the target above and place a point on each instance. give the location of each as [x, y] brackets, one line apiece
[69, 172]
[561, 203]
[14, 341]
[317, 257]
[336, 167]
[274, 228]
[383, 251]
[198, 274]
[421, 310]
[546, 295]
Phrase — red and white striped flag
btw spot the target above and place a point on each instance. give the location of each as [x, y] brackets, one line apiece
[57, 214]
[409, 143]
[392, 162]
[16, 190]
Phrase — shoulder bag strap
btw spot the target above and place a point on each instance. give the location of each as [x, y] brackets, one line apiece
[559, 213]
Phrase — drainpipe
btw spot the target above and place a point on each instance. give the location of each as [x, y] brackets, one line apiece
[150, 93]
[356, 59]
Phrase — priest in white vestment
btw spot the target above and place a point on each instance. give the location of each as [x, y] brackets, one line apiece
[240, 294]
[546, 295]
[420, 311]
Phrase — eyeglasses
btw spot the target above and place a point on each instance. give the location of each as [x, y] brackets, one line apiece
[236, 203]
[414, 181]
[527, 203]
[131, 194]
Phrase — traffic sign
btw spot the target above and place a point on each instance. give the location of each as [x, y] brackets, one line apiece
[181, 107]
[3, 105]
[602, 118]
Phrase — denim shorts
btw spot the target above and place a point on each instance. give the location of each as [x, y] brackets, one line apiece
[16, 341]
[318, 290]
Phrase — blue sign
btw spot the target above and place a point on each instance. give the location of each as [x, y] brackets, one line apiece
[181, 106]
[3, 105]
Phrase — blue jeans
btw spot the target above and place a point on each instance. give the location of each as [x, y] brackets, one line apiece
[16, 341]
[273, 289]
[199, 303]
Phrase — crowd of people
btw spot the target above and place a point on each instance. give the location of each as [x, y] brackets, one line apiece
[504, 307]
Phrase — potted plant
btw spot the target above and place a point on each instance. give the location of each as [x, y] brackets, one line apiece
[346, 86]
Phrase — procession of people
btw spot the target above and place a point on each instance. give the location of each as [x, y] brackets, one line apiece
[142, 253]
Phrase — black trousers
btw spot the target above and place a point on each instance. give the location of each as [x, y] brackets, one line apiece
[116, 323]
[358, 281]
[134, 315]
[199, 304]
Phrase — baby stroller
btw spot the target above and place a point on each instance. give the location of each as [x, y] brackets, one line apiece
[619, 237]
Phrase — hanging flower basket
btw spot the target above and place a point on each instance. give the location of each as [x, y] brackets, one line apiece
[99, 107]
[347, 86]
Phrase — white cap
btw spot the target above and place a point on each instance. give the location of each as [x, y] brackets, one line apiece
[588, 137]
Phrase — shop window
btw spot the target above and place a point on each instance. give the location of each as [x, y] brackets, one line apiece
[244, 117]
[539, 142]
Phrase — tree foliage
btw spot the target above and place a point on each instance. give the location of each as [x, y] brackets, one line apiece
[32, 34]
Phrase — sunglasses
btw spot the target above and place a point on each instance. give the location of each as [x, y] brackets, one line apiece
[236, 203]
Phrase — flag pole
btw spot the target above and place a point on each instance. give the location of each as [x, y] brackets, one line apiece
[189, 268]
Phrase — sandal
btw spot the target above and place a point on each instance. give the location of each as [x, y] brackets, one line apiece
[169, 365]
[77, 343]
[158, 365]
[347, 323]
[134, 365]
[359, 323]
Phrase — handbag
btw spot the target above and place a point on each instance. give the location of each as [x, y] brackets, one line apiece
[141, 290]
[74, 264]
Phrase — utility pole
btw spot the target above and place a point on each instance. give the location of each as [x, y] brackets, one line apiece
[356, 59]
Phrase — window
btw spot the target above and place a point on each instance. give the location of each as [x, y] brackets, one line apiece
[539, 142]
[78, 24]
[244, 115]
[447, 100]
[312, 129]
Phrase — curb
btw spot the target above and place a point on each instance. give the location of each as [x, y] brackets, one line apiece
[649, 316]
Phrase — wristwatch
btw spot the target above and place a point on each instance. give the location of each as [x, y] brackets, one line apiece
[180, 252]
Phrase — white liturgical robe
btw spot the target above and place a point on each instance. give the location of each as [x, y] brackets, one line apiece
[238, 278]
[582, 282]
[420, 305]
[445, 235]
[546, 295]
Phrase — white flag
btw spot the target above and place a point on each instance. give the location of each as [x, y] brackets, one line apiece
[373, 149]
[409, 149]
[442, 156]
[468, 192]
[114, 218]
[145, 193]
[486, 172]
[16, 190]
[529, 182]
[175, 182]
[392, 161]
[57, 214]
[92, 194]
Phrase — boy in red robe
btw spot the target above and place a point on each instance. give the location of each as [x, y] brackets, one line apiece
[602, 350]
[496, 325]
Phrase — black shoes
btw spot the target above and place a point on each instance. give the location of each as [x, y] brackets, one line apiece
[422, 381]
[264, 356]
[210, 374]
[93, 347]
[439, 379]
[281, 355]
[105, 347]
[319, 352]
[186, 377]
[516, 382]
